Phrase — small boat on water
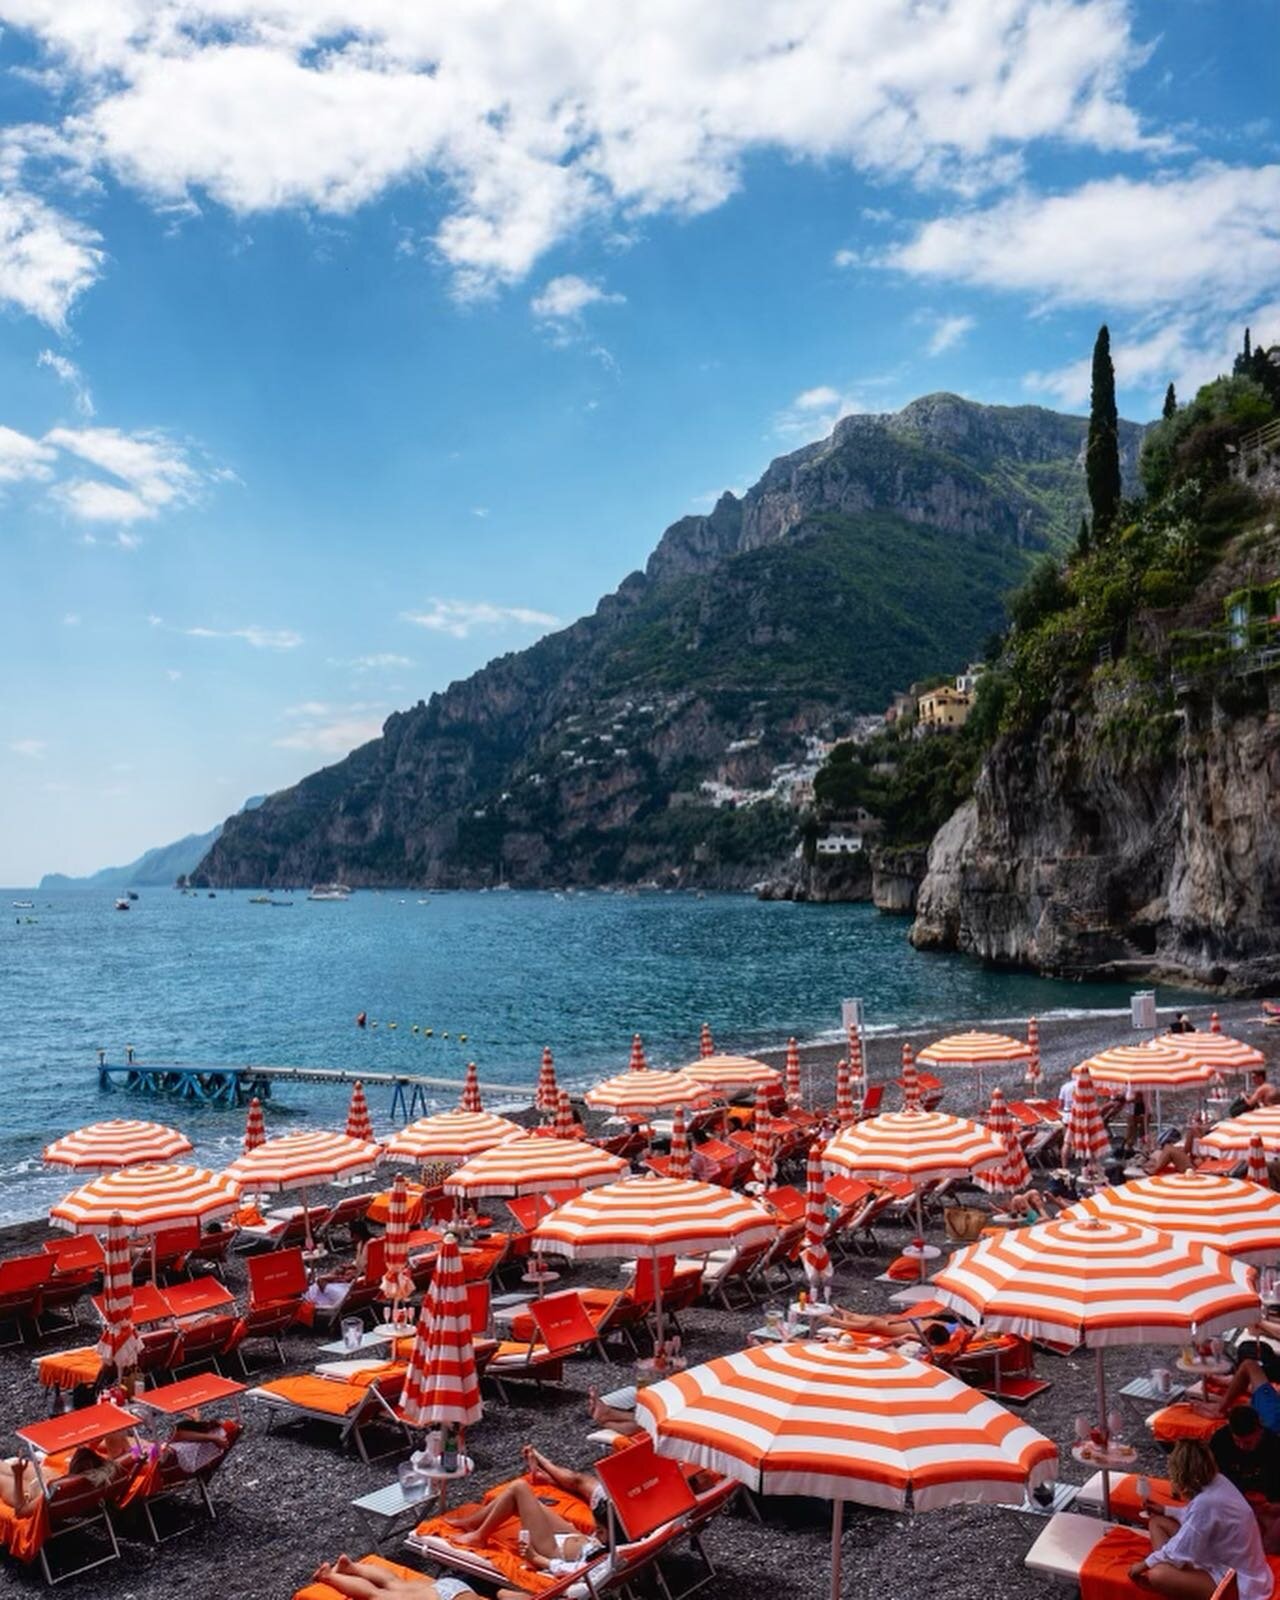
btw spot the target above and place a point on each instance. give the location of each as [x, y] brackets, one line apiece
[132, 893]
[23, 905]
[330, 891]
[259, 899]
[122, 904]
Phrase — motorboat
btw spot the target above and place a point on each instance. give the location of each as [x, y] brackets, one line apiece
[122, 904]
[330, 891]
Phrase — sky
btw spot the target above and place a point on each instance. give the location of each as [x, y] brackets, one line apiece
[345, 344]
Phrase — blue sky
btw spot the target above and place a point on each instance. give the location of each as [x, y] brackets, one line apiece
[343, 347]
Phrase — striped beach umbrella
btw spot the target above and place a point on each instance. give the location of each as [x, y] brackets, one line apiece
[1013, 1172]
[730, 1075]
[359, 1123]
[868, 1426]
[637, 1062]
[1230, 1214]
[814, 1255]
[764, 1141]
[679, 1166]
[653, 1217]
[792, 1073]
[1086, 1137]
[298, 1160]
[255, 1128]
[845, 1113]
[450, 1136]
[147, 1199]
[910, 1080]
[471, 1100]
[396, 1283]
[974, 1049]
[1156, 1065]
[644, 1093]
[857, 1072]
[1256, 1169]
[1219, 1051]
[706, 1044]
[534, 1166]
[547, 1096]
[1033, 1045]
[121, 1142]
[441, 1386]
[1233, 1135]
[565, 1126]
[118, 1343]
[1215, 1022]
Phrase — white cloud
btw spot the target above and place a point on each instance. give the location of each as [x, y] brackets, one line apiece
[22, 457]
[537, 115]
[814, 412]
[172, 674]
[566, 298]
[152, 474]
[71, 620]
[479, 511]
[258, 638]
[31, 749]
[819, 399]
[71, 375]
[46, 259]
[329, 730]
[461, 618]
[379, 661]
[1211, 236]
[947, 332]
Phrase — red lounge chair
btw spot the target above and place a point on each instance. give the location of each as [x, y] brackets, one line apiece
[78, 1271]
[871, 1100]
[282, 1233]
[172, 1481]
[649, 1494]
[22, 1283]
[206, 1341]
[352, 1408]
[351, 1208]
[167, 1253]
[277, 1283]
[563, 1329]
[212, 1251]
[74, 1505]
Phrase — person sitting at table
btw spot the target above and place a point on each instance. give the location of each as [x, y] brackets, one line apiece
[362, 1580]
[1260, 1094]
[1195, 1545]
[329, 1291]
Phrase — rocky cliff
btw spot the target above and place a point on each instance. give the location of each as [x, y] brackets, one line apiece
[1133, 835]
[855, 565]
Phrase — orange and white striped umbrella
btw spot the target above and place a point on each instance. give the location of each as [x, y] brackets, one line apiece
[1033, 1045]
[1215, 1022]
[118, 1343]
[1232, 1215]
[637, 1062]
[728, 1075]
[298, 1160]
[644, 1093]
[1086, 1137]
[706, 1044]
[1145, 1066]
[1013, 1172]
[651, 1215]
[791, 1075]
[814, 1255]
[359, 1123]
[255, 1128]
[857, 1072]
[921, 1146]
[910, 1080]
[450, 1136]
[471, 1100]
[973, 1049]
[679, 1165]
[1219, 1051]
[121, 1142]
[764, 1141]
[1098, 1282]
[565, 1127]
[534, 1166]
[396, 1282]
[871, 1426]
[147, 1199]
[440, 1385]
[547, 1094]
[1233, 1135]
[845, 1113]
[1256, 1167]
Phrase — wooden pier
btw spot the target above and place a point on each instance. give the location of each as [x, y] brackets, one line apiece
[221, 1084]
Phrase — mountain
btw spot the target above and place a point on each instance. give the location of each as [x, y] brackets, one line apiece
[156, 869]
[854, 565]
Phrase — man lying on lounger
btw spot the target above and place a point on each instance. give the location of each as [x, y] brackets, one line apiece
[935, 1331]
[364, 1581]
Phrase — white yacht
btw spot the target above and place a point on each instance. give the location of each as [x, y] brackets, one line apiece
[330, 891]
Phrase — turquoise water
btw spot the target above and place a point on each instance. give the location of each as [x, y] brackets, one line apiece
[221, 980]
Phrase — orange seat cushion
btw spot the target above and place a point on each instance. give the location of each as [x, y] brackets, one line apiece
[318, 1394]
[69, 1368]
[1105, 1573]
[1182, 1421]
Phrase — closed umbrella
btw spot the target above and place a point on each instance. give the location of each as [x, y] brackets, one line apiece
[1013, 1172]
[450, 1136]
[814, 1255]
[121, 1142]
[1256, 1167]
[118, 1343]
[974, 1049]
[255, 1128]
[792, 1073]
[1233, 1215]
[396, 1284]
[680, 1165]
[471, 1100]
[868, 1426]
[441, 1386]
[730, 1075]
[637, 1062]
[565, 1126]
[845, 1113]
[1086, 1137]
[910, 1080]
[857, 1073]
[359, 1123]
[764, 1142]
[706, 1044]
[547, 1095]
[1033, 1045]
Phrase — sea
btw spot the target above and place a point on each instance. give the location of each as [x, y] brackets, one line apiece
[485, 977]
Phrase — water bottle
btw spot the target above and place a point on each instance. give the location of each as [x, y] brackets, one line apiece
[449, 1454]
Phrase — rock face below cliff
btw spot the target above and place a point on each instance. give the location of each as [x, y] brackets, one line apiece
[1083, 856]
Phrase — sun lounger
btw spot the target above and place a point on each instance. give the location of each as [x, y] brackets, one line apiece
[352, 1408]
[326, 1591]
[727, 1274]
[78, 1271]
[277, 1283]
[23, 1280]
[351, 1208]
[206, 1341]
[282, 1230]
[1097, 1555]
[1064, 1542]
[563, 1329]
[82, 1367]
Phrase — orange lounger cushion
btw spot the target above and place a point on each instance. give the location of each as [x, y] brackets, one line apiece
[68, 1369]
[597, 1303]
[317, 1394]
[23, 1537]
[324, 1591]
[1125, 1505]
[517, 1351]
[1182, 1421]
[502, 1548]
[1105, 1573]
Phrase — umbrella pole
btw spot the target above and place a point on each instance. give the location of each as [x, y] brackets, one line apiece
[837, 1529]
[920, 1231]
[657, 1309]
[1102, 1423]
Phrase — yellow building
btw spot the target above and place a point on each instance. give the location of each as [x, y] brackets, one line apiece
[944, 707]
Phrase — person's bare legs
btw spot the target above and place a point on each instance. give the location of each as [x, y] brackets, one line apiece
[519, 1500]
[1179, 1583]
[1246, 1378]
[19, 1487]
[346, 1577]
[580, 1484]
[611, 1416]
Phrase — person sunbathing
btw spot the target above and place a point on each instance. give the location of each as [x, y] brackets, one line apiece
[934, 1331]
[20, 1487]
[548, 1541]
[1194, 1546]
[619, 1418]
[362, 1580]
[1175, 1157]
[1261, 1094]
[1031, 1206]
[1254, 1380]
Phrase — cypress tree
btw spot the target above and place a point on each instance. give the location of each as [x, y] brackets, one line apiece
[1102, 453]
[1170, 403]
[1082, 543]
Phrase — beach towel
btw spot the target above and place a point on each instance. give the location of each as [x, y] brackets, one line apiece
[68, 1369]
[1105, 1573]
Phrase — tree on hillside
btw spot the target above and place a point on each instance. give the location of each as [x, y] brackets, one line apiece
[1082, 541]
[1102, 453]
[1170, 403]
